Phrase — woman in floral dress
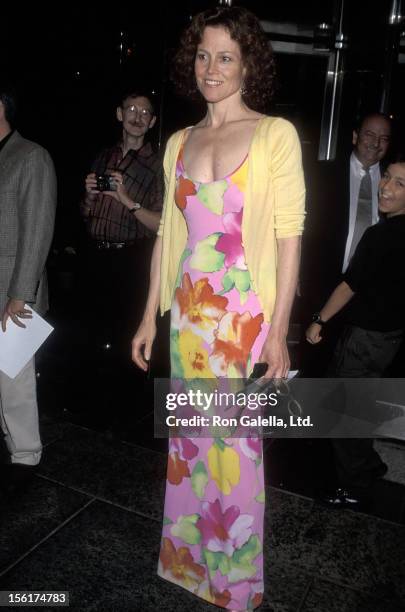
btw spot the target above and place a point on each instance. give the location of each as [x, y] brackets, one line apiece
[225, 262]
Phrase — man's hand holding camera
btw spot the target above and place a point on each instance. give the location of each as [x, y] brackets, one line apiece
[91, 186]
[111, 184]
[120, 193]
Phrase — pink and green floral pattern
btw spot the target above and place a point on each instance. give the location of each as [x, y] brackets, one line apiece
[212, 542]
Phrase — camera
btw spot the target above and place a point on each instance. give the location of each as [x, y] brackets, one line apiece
[105, 182]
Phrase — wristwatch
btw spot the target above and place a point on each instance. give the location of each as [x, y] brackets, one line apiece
[135, 207]
[316, 318]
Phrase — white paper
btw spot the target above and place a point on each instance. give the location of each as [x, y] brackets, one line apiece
[18, 345]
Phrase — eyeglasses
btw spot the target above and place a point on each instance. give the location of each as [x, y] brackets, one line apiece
[144, 112]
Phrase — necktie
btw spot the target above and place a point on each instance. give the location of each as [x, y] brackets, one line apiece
[364, 211]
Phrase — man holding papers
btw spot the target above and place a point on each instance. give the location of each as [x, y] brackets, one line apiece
[27, 213]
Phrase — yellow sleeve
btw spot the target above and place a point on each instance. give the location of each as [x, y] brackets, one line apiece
[166, 189]
[167, 173]
[287, 179]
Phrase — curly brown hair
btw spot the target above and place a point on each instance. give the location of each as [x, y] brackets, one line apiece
[257, 54]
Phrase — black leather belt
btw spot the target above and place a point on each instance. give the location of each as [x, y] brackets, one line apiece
[105, 244]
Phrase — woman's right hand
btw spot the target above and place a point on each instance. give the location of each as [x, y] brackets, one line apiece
[142, 344]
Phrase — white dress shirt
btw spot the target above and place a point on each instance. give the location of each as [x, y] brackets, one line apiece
[356, 174]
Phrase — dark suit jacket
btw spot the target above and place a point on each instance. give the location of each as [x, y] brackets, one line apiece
[327, 226]
[326, 229]
[27, 215]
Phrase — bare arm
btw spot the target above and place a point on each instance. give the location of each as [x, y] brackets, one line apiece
[146, 332]
[152, 303]
[274, 350]
[337, 300]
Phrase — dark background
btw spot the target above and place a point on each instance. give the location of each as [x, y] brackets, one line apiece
[68, 67]
[70, 63]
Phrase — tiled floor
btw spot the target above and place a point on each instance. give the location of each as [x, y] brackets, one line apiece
[90, 524]
[90, 521]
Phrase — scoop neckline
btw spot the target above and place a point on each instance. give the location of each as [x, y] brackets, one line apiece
[228, 175]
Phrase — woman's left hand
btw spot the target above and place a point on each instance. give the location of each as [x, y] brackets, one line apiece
[275, 354]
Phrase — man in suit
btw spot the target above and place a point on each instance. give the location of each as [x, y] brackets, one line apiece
[27, 213]
[342, 203]
[371, 140]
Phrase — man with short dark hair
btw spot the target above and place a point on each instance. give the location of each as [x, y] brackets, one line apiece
[370, 145]
[131, 210]
[121, 210]
[342, 203]
[27, 205]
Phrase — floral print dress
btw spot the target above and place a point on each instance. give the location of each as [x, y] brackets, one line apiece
[212, 540]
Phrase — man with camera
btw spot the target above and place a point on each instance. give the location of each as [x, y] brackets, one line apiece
[121, 209]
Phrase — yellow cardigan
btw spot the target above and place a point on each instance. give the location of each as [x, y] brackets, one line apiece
[274, 207]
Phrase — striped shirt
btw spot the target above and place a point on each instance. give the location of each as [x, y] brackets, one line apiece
[108, 219]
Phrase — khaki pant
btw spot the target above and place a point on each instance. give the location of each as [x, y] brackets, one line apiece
[19, 415]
